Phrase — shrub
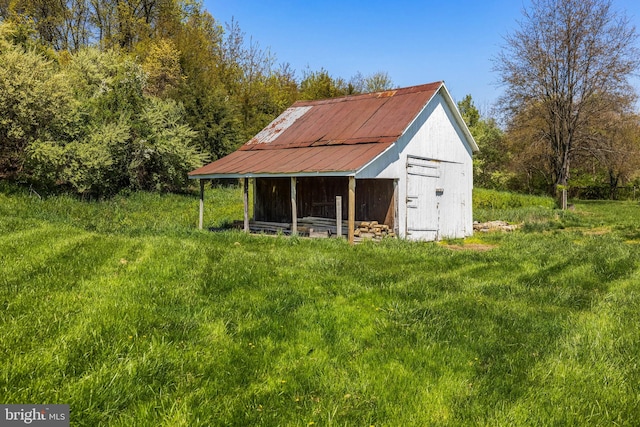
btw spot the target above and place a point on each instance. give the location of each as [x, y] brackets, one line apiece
[492, 199]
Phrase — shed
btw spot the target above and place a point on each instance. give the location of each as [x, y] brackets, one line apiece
[400, 157]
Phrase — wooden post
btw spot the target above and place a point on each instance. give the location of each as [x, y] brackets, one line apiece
[201, 215]
[253, 186]
[339, 216]
[352, 209]
[245, 197]
[396, 208]
[294, 207]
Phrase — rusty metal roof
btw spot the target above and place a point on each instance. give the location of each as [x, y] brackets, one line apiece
[332, 159]
[338, 135]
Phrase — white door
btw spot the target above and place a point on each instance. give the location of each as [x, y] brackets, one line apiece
[423, 194]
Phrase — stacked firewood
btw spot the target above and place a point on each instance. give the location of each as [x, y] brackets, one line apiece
[373, 230]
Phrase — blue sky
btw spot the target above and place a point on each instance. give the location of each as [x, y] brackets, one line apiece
[415, 42]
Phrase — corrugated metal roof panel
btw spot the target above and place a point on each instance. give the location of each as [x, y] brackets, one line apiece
[331, 135]
[280, 124]
[324, 159]
[366, 118]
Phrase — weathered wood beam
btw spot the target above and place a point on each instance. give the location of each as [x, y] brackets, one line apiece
[245, 198]
[352, 209]
[201, 213]
[339, 216]
[294, 207]
[396, 207]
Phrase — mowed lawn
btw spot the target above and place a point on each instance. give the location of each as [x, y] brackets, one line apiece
[126, 312]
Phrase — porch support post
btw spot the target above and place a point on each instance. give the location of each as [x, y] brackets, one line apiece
[339, 216]
[294, 207]
[396, 208]
[352, 209]
[245, 198]
[201, 213]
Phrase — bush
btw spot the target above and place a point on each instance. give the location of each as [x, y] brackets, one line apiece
[492, 199]
[118, 138]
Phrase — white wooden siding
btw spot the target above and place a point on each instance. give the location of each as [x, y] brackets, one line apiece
[434, 137]
[423, 204]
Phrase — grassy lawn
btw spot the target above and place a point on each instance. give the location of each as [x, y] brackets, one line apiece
[125, 311]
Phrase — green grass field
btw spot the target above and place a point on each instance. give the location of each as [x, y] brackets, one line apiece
[126, 312]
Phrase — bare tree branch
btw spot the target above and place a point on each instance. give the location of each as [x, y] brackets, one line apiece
[567, 64]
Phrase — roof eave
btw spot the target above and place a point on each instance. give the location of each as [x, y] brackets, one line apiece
[272, 175]
[459, 119]
[370, 162]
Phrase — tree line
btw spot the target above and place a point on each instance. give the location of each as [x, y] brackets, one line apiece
[569, 110]
[97, 96]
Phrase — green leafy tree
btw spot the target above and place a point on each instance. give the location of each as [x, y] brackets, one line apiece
[469, 112]
[320, 85]
[35, 100]
[162, 154]
[116, 60]
[123, 138]
[210, 106]
[46, 16]
[107, 91]
[490, 164]
[162, 67]
[86, 165]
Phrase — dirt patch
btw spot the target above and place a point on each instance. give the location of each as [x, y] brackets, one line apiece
[479, 247]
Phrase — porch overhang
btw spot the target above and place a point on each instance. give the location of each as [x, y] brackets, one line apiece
[274, 175]
[332, 160]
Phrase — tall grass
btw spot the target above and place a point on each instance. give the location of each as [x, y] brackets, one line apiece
[125, 311]
[537, 213]
[492, 199]
[132, 214]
